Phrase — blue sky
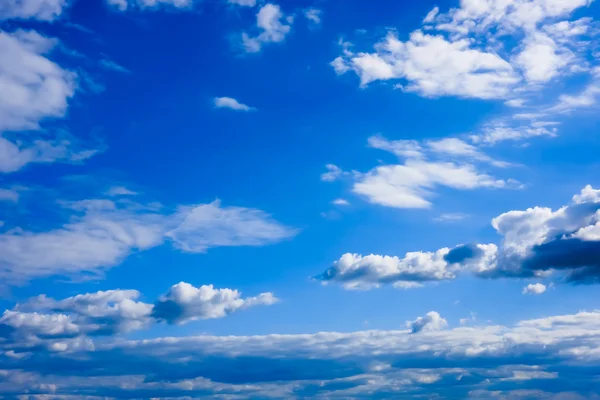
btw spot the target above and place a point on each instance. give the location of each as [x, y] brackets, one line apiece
[299, 199]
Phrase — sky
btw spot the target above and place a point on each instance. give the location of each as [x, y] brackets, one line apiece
[245, 199]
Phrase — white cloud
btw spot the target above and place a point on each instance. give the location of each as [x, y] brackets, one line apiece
[451, 362]
[9, 195]
[534, 288]
[401, 148]
[211, 225]
[113, 66]
[541, 59]
[536, 242]
[45, 321]
[451, 217]
[123, 5]
[244, 3]
[34, 87]
[229, 102]
[433, 66]
[333, 173]
[409, 185]
[16, 155]
[184, 303]
[120, 191]
[500, 131]
[44, 10]
[313, 15]
[432, 321]
[365, 272]
[273, 26]
[482, 49]
[431, 15]
[101, 233]
[460, 148]
[340, 202]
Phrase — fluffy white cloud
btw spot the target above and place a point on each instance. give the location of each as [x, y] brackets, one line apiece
[434, 66]
[229, 102]
[102, 233]
[44, 10]
[366, 272]
[534, 288]
[273, 26]
[184, 303]
[432, 321]
[34, 87]
[63, 325]
[470, 50]
[535, 243]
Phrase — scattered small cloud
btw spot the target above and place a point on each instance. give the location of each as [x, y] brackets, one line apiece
[534, 288]
[231, 103]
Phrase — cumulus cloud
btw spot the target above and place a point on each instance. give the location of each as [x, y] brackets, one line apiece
[43, 10]
[556, 354]
[365, 272]
[534, 288]
[273, 26]
[229, 102]
[101, 233]
[469, 51]
[185, 302]
[62, 325]
[536, 242]
[432, 321]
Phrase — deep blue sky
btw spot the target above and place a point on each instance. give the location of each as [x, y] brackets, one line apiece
[145, 88]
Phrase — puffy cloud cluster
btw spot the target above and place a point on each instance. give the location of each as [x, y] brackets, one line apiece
[432, 321]
[65, 325]
[101, 233]
[273, 26]
[536, 243]
[185, 302]
[470, 50]
[449, 162]
[554, 356]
